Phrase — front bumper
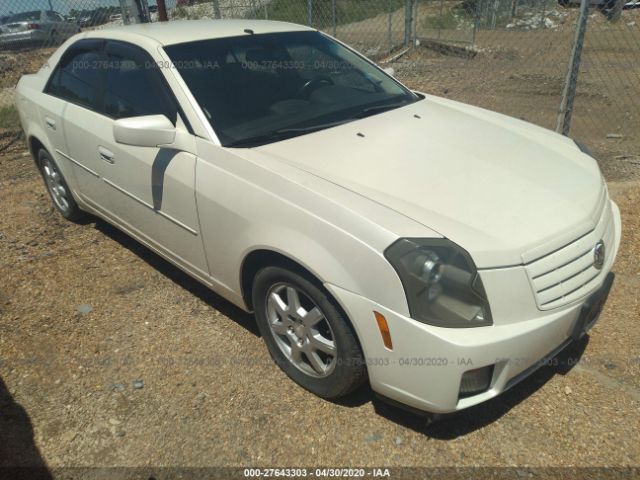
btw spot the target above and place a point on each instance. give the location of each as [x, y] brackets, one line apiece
[425, 367]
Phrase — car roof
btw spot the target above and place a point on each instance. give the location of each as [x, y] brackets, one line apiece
[182, 31]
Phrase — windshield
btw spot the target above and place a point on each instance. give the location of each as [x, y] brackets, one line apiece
[258, 89]
[24, 17]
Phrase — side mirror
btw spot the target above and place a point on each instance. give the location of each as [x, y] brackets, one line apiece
[148, 131]
[390, 71]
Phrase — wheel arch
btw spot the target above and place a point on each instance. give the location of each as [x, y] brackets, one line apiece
[260, 258]
[35, 145]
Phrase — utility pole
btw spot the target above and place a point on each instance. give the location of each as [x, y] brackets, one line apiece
[334, 17]
[134, 11]
[565, 112]
[390, 26]
[408, 22]
[162, 11]
[216, 9]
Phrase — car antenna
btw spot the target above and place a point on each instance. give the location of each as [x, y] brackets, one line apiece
[249, 31]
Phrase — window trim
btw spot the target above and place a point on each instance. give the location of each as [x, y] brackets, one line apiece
[81, 46]
[99, 46]
[146, 57]
[52, 16]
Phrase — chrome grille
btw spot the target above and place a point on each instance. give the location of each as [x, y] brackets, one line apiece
[568, 274]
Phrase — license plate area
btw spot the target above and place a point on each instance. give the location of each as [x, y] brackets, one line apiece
[592, 308]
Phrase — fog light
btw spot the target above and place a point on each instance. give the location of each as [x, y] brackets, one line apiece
[476, 381]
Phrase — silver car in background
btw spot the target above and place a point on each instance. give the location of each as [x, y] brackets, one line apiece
[37, 27]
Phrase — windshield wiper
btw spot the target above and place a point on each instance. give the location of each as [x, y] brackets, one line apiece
[312, 128]
[283, 134]
[290, 132]
[366, 112]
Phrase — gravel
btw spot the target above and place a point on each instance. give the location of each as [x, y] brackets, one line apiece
[84, 309]
[137, 384]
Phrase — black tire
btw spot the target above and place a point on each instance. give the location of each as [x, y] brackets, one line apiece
[54, 41]
[348, 371]
[72, 212]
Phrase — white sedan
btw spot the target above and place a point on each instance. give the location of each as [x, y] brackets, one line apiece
[439, 251]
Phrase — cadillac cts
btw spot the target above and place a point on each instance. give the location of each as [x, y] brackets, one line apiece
[437, 250]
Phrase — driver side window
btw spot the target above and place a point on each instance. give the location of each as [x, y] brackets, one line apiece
[134, 86]
[121, 81]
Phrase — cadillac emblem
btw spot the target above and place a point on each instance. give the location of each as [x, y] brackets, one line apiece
[599, 255]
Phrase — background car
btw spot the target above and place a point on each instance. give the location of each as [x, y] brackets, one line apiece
[601, 4]
[94, 18]
[606, 7]
[576, 3]
[37, 27]
[84, 20]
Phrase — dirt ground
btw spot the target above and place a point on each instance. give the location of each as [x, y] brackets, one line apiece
[86, 313]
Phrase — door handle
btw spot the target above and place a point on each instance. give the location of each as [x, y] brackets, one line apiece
[106, 155]
[51, 123]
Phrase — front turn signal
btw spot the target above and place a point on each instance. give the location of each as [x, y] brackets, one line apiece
[384, 330]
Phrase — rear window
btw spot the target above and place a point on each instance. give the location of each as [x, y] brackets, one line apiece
[24, 17]
[78, 79]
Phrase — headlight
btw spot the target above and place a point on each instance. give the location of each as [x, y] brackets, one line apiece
[441, 282]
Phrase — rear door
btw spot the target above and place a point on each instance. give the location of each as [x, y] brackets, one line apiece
[50, 110]
[78, 80]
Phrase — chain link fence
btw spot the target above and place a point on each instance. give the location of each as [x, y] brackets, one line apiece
[511, 56]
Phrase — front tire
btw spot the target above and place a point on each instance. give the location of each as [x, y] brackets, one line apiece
[58, 189]
[306, 334]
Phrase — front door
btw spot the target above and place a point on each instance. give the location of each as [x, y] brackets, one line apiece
[152, 189]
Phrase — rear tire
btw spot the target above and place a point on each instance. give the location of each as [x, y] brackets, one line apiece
[306, 334]
[54, 41]
[58, 188]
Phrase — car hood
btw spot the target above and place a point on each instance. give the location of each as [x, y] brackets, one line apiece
[503, 189]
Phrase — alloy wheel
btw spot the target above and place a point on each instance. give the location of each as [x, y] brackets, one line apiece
[301, 330]
[56, 185]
